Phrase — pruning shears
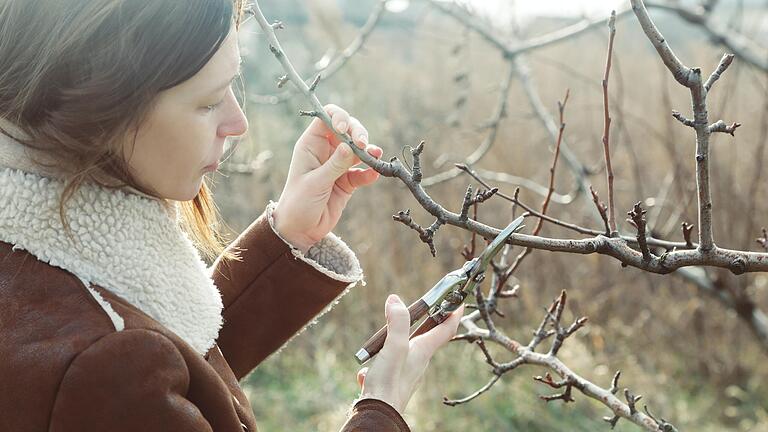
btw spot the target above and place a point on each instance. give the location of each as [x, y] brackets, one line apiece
[446, 295]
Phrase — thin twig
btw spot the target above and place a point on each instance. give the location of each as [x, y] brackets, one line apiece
[607, 127]
[338, 62]
[550, 191]
[692, 79]
[569, 379]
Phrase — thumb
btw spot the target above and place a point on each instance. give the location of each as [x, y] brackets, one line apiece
[395, 348]
[339, 163]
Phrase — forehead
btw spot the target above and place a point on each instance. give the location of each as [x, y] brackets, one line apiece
[220, 68]
[226, 59]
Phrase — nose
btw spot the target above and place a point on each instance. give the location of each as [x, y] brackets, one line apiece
[235, 123]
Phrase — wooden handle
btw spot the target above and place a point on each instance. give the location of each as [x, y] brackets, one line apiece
[376, 342]
[428, 324]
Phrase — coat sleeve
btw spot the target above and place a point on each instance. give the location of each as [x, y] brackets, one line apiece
[129, 380]
[274, 291]
[374, 415]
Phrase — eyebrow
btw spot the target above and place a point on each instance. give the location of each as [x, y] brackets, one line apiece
[239, 72]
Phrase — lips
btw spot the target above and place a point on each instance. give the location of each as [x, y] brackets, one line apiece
[215, 163]
[212, 167]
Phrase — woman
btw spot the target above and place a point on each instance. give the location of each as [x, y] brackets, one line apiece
[112, 113]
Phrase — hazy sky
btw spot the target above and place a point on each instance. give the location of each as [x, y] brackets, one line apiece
[548, 7]
[502, 10]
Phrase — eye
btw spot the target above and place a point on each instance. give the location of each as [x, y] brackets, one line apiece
[213, 107]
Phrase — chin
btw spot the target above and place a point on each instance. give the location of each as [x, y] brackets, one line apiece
[187, 193]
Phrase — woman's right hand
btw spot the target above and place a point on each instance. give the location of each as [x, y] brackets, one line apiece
[398, 369]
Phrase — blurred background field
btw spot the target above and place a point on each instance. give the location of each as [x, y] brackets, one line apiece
[694, 360]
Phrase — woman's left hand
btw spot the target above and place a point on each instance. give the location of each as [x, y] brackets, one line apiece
[321, 179]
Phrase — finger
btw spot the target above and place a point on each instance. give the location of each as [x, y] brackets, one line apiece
[357, 177]
[341, 160]
[361, 376]
[339, 118]
[372, 150]
[396, 343]
[358, 132]
[430, 341]
[338, 169]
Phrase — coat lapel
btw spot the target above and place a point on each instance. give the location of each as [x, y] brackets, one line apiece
[128, 243]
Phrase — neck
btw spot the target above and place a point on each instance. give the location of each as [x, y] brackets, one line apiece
[14, 154]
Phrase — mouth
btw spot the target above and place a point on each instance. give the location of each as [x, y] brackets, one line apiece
[212, 167]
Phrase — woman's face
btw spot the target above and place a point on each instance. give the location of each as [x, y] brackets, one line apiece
[185, 131]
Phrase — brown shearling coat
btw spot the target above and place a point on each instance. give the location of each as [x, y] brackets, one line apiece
[64, 368]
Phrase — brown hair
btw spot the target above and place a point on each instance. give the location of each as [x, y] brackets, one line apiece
[77, 76]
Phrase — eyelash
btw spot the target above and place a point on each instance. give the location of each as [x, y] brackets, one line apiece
[210, 108]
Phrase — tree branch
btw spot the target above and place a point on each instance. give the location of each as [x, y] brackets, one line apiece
[607, 128]
[569, 379]
[691, 78]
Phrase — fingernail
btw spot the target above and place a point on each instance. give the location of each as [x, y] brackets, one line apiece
[342, 126]
[393, 299]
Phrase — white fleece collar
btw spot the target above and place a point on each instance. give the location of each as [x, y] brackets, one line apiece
[127, 243]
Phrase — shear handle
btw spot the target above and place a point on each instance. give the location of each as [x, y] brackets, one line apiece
[448, 306]
[416, 310]
[428, 324]
[371, 347]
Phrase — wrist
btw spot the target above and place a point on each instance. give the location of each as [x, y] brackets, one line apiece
[300, 242]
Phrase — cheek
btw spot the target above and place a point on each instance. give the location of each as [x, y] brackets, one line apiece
[169, 157]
